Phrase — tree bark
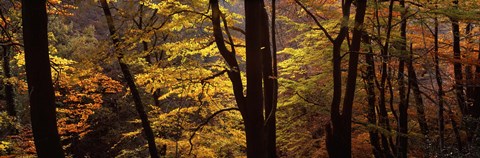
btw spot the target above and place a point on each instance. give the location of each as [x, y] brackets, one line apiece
[387, 142]
[457, 65]
[339, 143]
[412, 78]
[254, 110]
[252, 106]
[9, 93]
[270, 86]
[440, 93]
[335, 141]
[39, 79]
[371, 97]
[152, 147]
[402, 139]
[470, 90]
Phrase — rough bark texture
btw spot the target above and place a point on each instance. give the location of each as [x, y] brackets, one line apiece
[152, 147]
[39, 79]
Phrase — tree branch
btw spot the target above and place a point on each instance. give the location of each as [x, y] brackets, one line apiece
[316, 20]
[205, 123]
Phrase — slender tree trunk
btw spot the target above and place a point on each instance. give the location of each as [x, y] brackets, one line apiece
[457, 68]
[403, 106]
[339, 143]
[440, 93]
[39, 79]
[455, 129]
[334, 140]
[420, 107]
[457, 65]
[384, 122]
[152, 147]
[370, 88]
[9, 93]
[470, 90]
[412, 78]
[271, 78]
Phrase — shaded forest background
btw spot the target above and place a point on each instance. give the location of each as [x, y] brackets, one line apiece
[209, 78]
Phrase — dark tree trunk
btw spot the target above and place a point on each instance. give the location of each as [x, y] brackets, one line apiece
[476, 104]
[339, 143]
[39, 79]
[403, 106]
[440, 93]
[370, 88]
[470, 120]
[252, 106]
[413, 80]
[229, 57]
[387, 143]
[457, 65]
[475, 109]
[470, 90]
[335, 141]
[270, 86]
[9, 93]
[254, 121]
[457, 69]
[152, 147]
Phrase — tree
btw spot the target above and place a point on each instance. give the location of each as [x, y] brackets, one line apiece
[152, 147]
[39, 79]
[339, 133]
[259, 67]
[9, 93]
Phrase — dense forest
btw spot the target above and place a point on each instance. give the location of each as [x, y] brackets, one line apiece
[240, 78]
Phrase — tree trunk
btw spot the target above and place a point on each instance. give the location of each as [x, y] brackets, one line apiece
[476, 104]
[440, 93]
[402, 138]
[152, 147]
[470, 90]
[412, 78]
[9, 93]
[457, 68]
[254, 121]
[334, 140]
[39, 79]
[270, 86]
[457, 65]
[339, 143]
[370, 88]
[387, 142]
